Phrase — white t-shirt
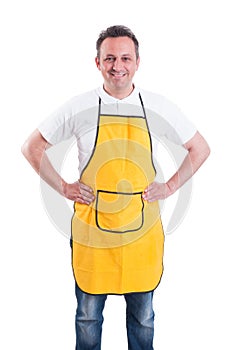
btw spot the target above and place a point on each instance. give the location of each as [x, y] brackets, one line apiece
[79, 118]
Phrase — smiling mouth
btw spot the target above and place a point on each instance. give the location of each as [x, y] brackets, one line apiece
[118, 74]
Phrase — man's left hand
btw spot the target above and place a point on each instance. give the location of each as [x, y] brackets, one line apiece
[156, 191]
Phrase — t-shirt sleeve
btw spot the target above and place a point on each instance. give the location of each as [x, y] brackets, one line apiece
[59, 125]
[170, 121]
[180, 129]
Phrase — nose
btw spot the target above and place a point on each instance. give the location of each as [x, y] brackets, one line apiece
[117, 66]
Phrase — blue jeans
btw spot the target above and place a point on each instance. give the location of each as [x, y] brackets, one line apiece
[139, 320]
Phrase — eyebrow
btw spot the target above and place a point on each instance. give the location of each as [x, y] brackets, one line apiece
[124, 55]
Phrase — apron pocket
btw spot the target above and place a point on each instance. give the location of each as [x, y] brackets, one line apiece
[119, 212]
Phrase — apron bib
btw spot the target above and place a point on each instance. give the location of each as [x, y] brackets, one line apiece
[117, 241]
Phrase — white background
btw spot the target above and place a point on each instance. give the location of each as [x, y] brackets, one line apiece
[47, 56]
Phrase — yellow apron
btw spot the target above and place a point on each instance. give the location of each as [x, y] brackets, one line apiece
[117, 241]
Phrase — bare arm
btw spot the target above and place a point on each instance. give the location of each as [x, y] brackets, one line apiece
[34, 150]
[198, 151]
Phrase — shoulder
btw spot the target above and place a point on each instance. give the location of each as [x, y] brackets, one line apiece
[80, 102]
[69, 118]
[167, 116]
[159, 103]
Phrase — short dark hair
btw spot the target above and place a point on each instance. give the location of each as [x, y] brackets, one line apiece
[115, 32]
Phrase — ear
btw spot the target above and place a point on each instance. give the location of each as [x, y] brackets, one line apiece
[138, 61]
[97, 62]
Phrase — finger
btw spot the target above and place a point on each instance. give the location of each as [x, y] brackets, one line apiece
[149, 191]
[87, 197]
[85, 187]
[80, 200]
[152, 186]
[86, 193]
[83, 200]
[149, 197]
[152, 199]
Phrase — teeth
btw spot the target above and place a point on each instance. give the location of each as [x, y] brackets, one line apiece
[119, 74]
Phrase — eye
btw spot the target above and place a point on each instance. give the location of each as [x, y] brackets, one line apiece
[109, 59]
[126, 59]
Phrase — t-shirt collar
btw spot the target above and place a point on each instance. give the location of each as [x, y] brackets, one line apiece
[106, 98]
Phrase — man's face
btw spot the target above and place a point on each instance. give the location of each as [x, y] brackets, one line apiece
[118, 64]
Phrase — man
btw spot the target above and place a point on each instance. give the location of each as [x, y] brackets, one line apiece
[117, 235]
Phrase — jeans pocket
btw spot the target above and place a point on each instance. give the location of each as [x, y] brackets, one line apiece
[119, 212]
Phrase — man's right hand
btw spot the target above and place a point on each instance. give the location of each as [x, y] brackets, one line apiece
[78, 192]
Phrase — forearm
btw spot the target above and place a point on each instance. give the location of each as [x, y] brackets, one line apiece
[48, 173]
[192, 162]
[183, 174]
[198, 151]
[42, 165]
[34, 150]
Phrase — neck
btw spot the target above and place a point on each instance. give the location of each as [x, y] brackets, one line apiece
[119, 93]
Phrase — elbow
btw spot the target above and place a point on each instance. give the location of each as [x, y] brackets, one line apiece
[34, 146]
[32, 155]
[207, 151]
[34, 149]
[25, 149]
[30, 151]
[199, 153]
[202, 148]
[202, 153]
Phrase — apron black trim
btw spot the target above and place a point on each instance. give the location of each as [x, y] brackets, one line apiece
[148, 129]
[96, 138]
[123, 116]
[116, 192]
[121, 193]
[119, 294]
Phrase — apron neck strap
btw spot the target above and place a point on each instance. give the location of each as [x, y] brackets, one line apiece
[140, 98]
[143, 108]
